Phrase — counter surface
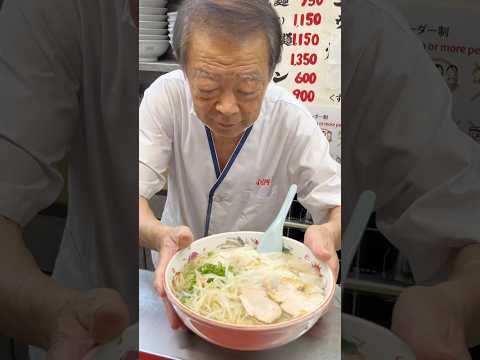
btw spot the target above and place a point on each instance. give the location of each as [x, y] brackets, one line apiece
[156, 337]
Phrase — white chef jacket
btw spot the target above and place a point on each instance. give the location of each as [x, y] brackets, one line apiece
[399, 140]
[283, 146]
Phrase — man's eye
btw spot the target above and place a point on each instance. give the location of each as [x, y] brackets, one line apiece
[246, 93]
[207, 92]
[206, 95]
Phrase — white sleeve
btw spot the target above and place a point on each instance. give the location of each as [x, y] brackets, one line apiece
[38, 100]
[155, 137]
[403, 144]
[316, 173]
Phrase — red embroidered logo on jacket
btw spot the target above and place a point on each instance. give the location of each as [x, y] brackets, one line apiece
[264, 182]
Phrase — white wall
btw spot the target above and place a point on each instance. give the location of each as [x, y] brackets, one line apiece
[318, 55]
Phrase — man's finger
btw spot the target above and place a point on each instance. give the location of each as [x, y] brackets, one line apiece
[103, 313]
[173, 319]
[71, 340]
[323, 254]
[320, 251]
[334, 265]
[184, 237]
[180, 239]
[110, 321]
[93, 318]
[166, 253]
[158, 281]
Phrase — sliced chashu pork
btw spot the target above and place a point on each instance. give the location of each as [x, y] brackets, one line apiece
[257, 304]
[299, 304]
[292, 300]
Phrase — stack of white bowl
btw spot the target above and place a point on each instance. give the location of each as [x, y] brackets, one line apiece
[153, 33]
[172, 17]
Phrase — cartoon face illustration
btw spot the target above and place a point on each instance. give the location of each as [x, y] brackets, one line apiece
[328, 134]
[476, 74]
[474, 132]
[449, 72]
[440, 68]
[451, 76]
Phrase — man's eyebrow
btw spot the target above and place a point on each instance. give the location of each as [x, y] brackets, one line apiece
[202, 73]
[250, 76]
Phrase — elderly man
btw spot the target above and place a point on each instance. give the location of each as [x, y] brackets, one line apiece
[231, 141]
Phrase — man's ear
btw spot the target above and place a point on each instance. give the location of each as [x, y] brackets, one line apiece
[134, 11]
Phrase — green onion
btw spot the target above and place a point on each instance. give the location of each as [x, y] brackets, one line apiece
[190, 279]
[184, 299]
[212, 269]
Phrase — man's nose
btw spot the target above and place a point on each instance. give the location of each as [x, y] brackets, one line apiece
[227, 104]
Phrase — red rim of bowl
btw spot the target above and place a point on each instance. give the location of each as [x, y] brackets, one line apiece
[171, 296]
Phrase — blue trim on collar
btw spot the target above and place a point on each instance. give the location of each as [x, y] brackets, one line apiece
[223, 174]
[213, 152]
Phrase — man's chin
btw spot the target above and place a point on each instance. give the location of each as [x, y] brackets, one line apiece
[233, 132]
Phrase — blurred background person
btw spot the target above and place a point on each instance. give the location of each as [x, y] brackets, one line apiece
[68, 91]
[399, 140]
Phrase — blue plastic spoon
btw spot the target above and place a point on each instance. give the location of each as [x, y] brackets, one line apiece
[272, 239]
[355, 229]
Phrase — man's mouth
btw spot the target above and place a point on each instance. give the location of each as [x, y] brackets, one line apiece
[225, 125]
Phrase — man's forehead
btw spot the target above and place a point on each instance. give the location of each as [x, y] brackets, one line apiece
[203, 72]
[217, 56]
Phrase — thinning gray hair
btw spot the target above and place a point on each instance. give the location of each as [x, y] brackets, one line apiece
[237, 19]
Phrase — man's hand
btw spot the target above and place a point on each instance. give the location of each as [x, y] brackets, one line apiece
[170, 241]
[86, 321]
[321, 240]
[167, 241]
[430, 321]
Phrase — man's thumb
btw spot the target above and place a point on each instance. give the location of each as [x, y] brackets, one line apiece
[110, 316]
[184, 237]
[320, 251]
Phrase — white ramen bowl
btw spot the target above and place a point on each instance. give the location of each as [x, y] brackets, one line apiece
[144, 17]
[153, 37]
[153, 24]
[373, 341]
[150, 50]
[153, 3]
[246, 337]
[152, 11]
[148, 31]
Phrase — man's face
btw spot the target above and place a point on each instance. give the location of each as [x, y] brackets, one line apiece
[228, 80]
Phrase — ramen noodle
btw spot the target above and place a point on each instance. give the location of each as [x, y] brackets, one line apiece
[244, 287]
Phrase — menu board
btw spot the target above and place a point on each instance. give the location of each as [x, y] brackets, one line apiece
[445, 30]
[311, 63]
